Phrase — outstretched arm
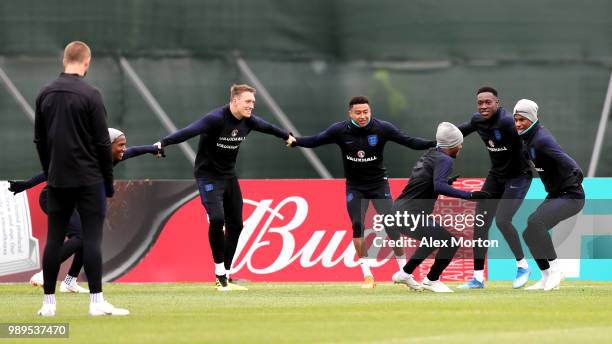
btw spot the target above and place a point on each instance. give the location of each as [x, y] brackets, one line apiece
[466, 128]
[326, 137]
[396, 135]
[140, 150]
[19, 186]
[259, 124]
[201, 126]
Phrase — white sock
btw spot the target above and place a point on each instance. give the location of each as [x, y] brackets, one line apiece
[96, 297]
[365, 267]
[545, 273]
[68, 280]
[401, 261]
[49, 299]
[522, 263]
[554, 264]
[479, 275]
[220, 269]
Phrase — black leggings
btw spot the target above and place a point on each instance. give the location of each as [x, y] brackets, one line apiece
[433, 232]
[508, 195]
[90, 202]
[74, 244]
[552, 211]
[222, 199]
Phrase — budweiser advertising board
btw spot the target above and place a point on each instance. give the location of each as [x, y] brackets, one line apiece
[294, 230]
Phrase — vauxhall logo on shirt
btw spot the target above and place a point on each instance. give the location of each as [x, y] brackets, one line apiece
[231, 142]
[361, 157]
[491, 144]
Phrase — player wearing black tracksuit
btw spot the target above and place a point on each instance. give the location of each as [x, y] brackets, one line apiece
[73, 145]
[429, 179]
[362, 140]
[508, 180]
[74, 243]
[362, 157]
[221, 134]
[562, 179]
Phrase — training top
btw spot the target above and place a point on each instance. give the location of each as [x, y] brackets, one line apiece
[429, 178]
[129, 153]
[71, 134]
[558, 171]
[502, 141]
[220, 137]
[362, 148]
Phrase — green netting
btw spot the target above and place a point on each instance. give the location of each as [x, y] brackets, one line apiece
[273, 28]
[343, 29]
[476, 29]
[313, 56]
[314, 95]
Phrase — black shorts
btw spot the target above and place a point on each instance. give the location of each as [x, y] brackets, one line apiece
[358, 199]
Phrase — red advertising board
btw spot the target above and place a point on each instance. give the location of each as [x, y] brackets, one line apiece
[294, 230]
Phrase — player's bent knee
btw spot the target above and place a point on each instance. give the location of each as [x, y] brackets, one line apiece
[216, 222]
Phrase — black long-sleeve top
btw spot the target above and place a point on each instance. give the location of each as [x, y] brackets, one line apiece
[502, 141]
[220, 137]
[558, 171]
[362, 147]
[71, 134]
[428, 180]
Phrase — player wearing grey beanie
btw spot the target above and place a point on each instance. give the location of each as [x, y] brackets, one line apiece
[562, 179]
[448, 135]
[528, 109]
[73, 245]
[114, 134]
[427, 181]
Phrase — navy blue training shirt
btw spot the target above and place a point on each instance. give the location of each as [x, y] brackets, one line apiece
[131, 152]
[558, 171]
[362, 148]
[428, 180]
[502, 141]
[220, 137]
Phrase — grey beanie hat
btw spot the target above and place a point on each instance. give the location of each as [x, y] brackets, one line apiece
[527, 108]
[448, 135]
[114, 134]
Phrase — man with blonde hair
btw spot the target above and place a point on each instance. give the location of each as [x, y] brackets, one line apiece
[71, 117]
[221, 132]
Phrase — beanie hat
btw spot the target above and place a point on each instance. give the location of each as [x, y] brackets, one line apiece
[448, 135]
[527, 108]
[114, 134]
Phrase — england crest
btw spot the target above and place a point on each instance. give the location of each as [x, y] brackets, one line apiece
[372, 140]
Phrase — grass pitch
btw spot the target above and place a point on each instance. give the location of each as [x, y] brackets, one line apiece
[325, 312]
